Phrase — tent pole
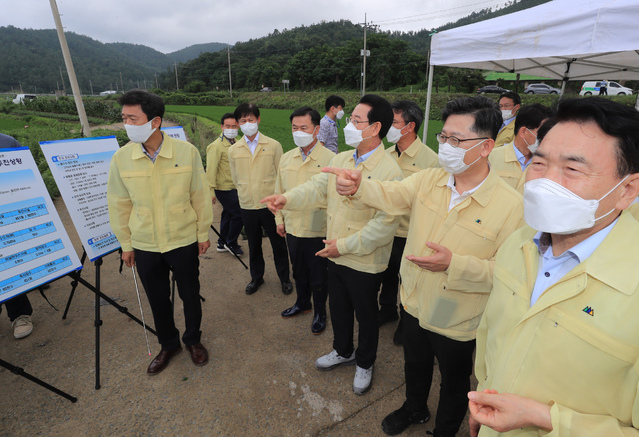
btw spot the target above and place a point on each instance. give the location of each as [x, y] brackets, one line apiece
[431, 69]
[563, 87]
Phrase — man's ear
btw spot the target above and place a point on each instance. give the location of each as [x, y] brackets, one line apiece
[487, 147]
[156, 123]
[630, 193]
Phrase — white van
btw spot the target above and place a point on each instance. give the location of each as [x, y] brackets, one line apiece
[22, 98]
[614, 89]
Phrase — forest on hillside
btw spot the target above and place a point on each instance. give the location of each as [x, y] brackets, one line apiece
[324, 55]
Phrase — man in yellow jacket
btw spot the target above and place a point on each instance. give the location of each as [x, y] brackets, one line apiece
[557, 348]
[459, 216]
[511, 161]
[254, 160]
[509, 104]
[218, 174]
[160, 211]
[359, 240]
[411, 156]
[305, 230]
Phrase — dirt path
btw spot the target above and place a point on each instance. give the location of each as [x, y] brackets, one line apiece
[260, 381]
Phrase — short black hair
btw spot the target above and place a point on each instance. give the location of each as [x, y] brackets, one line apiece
[511, 95]
[614, 119]
[531, 116]
[410, 111]
[543, 130]
[151, 104]
[226, 117]
[381, 111]
[485, 112]
[307, 110]
[246, 109]
[334, 101]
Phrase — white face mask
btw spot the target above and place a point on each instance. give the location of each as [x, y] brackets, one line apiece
[249, 129]
[394, 135]
[139, 134]
[353, 136]
[230, 133]
[339, 114]
[552, 208]
[506, 114]
[452, 158]
[302, 139]
[534, 146]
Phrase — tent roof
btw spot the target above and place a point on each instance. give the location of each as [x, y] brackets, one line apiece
[598, 38]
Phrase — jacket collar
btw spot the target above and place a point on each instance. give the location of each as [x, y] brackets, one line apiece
[166, 151]
[509, 153]
[483, 193]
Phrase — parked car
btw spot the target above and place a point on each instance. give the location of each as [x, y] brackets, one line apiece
[108, 93]
[614, 89]
[22, 98]
[541, 88]
[494, 89]
[266, 89]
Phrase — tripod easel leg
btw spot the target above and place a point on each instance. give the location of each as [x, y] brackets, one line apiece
[97, 323]
[20, 371]
[74, 285]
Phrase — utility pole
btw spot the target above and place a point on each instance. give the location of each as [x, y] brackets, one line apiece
[156, 80]
[228, 52]
[121, 82]
[86, 129]
[177, 86]
[91, 85]
[64, 88]
[365, 53]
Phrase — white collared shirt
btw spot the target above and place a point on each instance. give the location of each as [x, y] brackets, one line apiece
[455, 197]
[253, 144]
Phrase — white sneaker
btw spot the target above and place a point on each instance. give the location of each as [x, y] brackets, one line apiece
[363, 380]
[22, 326]
[331, 360]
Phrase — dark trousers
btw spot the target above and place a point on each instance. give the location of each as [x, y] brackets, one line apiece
[153, 269]
[18, 306]
[231, 219]
[309, 271]
[351, 291]
[254, 221]
[455, 359]
[390, 280]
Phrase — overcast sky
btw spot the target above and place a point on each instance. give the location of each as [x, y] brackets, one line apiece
[169, 25]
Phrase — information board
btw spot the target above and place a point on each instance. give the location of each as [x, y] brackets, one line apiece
[80, 167]
[34, 246]
[176, 132]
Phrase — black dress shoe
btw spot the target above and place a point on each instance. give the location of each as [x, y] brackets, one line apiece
[386, 315]
[254, 285]
[319, 323]
[160, 362]
[199, 354]
[397, 421]
[287, 288]
[295, 310]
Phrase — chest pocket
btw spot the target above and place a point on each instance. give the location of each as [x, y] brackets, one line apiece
[477, 238]
[177, 183]
[597, 368]
[263, 164]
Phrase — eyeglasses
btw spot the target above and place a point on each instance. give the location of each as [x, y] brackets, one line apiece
[454, 141]
[356, 122]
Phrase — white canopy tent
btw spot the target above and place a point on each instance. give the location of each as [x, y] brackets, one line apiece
[562, 40]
